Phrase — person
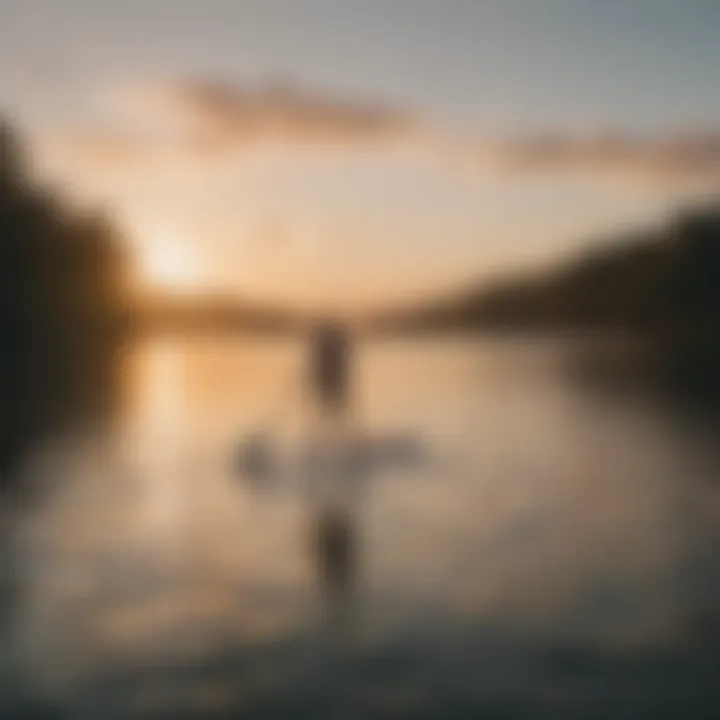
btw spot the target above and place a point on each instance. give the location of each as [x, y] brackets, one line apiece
[330, 367]
[254, 459]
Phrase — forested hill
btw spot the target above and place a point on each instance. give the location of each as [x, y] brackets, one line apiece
[62, 288]
[661, 289]
[666, 281]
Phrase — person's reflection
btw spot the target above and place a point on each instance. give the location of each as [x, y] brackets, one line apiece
[335, 551]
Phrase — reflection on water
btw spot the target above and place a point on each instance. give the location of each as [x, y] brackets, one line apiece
[553, 558]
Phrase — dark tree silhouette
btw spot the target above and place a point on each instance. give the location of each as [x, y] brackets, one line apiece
[61, 278]
[661, 287]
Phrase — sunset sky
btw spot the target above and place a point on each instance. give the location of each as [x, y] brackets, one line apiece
[353, 151]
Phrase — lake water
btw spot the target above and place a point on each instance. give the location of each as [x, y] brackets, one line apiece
[551, 554]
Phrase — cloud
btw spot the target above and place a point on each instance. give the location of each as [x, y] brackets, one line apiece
[281, 112]
[185, 124]
[678, 157]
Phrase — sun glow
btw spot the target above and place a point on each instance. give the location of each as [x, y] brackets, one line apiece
[170, 265]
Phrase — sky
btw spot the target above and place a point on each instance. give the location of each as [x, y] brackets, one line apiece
[352, 152]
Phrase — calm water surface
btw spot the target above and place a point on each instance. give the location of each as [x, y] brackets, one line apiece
[553, 555]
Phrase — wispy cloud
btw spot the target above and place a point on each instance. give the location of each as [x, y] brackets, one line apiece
[677, 157]
[190, 125]
[281, 111]
[190, 122]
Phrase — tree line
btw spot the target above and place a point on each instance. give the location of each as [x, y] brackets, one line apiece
[62, 288]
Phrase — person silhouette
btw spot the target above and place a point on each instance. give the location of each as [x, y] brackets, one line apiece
[330, 367]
